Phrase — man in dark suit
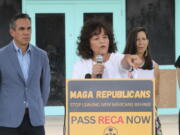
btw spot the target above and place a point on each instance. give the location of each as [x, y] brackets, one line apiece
[177, 65]
[24, 82]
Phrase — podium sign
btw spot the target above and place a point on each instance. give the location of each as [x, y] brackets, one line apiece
[110, 107]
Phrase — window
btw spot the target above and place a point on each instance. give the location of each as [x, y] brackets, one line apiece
[50, 36]
[157, 16]
[7, 10]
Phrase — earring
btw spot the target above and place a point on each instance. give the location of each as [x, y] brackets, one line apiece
[146, 53]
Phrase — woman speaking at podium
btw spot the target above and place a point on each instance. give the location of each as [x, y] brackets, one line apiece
[97, 48]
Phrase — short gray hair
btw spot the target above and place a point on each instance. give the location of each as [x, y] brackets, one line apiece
[16, 17]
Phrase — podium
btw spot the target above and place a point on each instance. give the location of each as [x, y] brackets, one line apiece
[110, 107]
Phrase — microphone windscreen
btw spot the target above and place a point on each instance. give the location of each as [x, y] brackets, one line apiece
[99, 59]
[99, 76]
[87, 76]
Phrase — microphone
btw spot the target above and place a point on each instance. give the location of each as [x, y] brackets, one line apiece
[99, 59]
[87, 76]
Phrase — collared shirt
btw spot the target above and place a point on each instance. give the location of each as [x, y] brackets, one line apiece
[24, 60]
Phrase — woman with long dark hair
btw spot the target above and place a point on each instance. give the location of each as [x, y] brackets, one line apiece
[138, 44]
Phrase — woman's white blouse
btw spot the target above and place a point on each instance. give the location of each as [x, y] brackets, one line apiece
[113, 67]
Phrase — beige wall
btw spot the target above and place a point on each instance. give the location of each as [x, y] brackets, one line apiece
[167, 89]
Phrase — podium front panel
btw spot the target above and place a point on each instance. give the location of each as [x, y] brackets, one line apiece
[110, 107]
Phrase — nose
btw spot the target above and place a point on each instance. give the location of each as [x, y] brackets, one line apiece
[27, 31]
[140, 41]
[102, 40]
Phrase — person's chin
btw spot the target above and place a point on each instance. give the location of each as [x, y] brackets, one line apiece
[25, 43]
[103, 53]
[141, 51]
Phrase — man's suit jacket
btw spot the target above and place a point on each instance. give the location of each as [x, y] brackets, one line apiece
[14, 91]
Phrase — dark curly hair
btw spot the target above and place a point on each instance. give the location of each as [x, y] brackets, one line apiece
[131, 47]
[90, 28]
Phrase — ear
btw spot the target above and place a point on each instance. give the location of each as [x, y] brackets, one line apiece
[11, 32]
